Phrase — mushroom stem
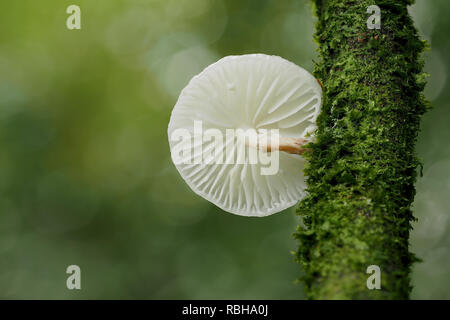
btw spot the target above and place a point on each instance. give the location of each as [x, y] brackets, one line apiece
[292, 145]
[287, 144]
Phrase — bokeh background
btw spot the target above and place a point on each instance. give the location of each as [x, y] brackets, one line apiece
[85, 170]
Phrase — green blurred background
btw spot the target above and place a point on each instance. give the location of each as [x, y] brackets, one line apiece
[85, 171]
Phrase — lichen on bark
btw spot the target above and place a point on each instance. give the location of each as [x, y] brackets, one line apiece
[363, 165]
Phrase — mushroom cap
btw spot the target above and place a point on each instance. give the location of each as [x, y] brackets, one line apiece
[254, 91]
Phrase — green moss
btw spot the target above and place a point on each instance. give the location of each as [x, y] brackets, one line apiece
[362, 168]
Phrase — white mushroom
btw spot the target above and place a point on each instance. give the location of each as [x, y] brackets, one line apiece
[238, 129]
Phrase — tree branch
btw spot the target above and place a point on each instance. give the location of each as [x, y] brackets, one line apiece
[363, 165]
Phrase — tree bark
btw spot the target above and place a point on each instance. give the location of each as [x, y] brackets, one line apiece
[363, 166]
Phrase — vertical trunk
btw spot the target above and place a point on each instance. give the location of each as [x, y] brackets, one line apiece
[363, 167]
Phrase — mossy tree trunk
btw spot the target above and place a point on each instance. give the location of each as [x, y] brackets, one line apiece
[363, 165]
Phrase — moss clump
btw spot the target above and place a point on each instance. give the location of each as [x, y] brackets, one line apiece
[363, 166]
